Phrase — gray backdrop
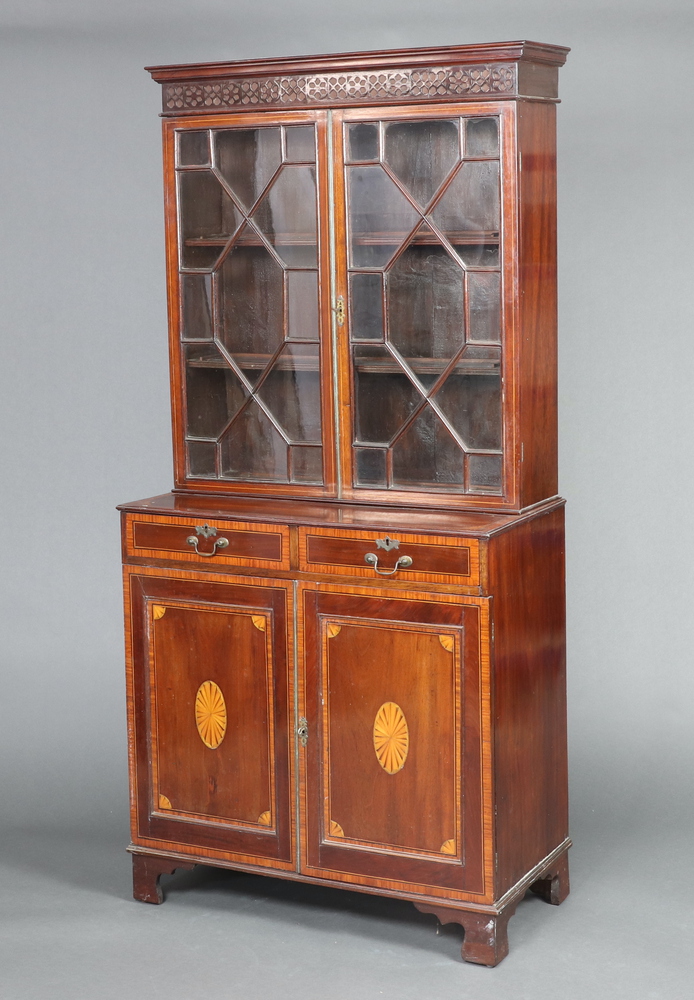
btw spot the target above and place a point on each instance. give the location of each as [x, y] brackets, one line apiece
[85, 425]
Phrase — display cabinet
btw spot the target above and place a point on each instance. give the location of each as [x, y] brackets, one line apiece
[345, 625]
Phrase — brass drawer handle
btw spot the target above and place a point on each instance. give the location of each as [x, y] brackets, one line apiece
[206, 531]
[220, 543]
[403, 562]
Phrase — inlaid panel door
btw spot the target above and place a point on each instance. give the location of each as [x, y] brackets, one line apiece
[394, 760]
[211, 707]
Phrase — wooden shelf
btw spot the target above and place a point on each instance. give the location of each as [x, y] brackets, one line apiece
[259, 362]
[462, 238]
[428, 366]
[459, 238]
[370, 366]
[279, 239]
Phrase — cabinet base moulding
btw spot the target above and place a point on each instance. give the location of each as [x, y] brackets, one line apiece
[485, 927]
[148, 869]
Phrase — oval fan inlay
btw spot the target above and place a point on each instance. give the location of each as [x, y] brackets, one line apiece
[391, 737]
[210, 714]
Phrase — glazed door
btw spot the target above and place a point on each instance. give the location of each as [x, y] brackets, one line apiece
[210, 697]
[394, 751]
[249, 280]
[427, 201]
[383, 262]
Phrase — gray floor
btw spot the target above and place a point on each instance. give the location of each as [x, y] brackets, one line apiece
[69, 929]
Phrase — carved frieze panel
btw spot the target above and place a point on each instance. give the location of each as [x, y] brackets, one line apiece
[426, 84]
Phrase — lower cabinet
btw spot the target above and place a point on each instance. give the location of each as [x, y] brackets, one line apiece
[354, 733]
[389, 730]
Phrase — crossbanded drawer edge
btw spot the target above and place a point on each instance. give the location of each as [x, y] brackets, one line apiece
[434, 550]
[248, 535]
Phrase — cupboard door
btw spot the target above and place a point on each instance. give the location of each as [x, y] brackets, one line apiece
[393, 759]
[248, 259]
[422, 194]
[211, 715]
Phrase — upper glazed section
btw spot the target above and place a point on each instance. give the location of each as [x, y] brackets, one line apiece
[506, 69]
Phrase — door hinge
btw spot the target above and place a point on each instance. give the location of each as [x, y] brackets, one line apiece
[302, 731]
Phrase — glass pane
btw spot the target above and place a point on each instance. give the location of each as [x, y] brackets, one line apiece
[482, 137]
[371, 466]
[247, 159]
[208, 218]
[427, 454]
[202, 458]
[213, 392]
[362, 142]
[475, 254]
[379, 214]
[425, 295]
[484, 472]
[291, 392]
[193, 148]
[253, 449]
[421, 155]
[385, 396]
[471, 201]
[196, 296]
[287, 216]
[482, 358]
[484, 294]
[302, 305]
[366, 320]
[472, 404]
[251, 305]
[306, 465]
[300, 143]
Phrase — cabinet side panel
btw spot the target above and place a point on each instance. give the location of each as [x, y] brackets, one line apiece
[529, 695]
[538, 301]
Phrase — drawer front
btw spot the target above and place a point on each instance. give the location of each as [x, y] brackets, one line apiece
[434, 558]
[257, 546]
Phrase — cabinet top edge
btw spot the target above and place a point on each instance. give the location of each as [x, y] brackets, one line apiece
[538, 52]
[307, 513]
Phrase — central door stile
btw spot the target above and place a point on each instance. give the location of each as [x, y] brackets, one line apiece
[327, 347]
[298, 711]
[336, 295]
[341, 304]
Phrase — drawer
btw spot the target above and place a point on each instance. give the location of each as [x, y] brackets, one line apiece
[258, 546]
[434, 558]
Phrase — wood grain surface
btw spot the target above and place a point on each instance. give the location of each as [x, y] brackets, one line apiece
[434, 559]
[389, 648]
[253, 545]
[208, 633]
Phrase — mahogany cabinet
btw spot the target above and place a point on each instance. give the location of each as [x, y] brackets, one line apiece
[346, 624]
